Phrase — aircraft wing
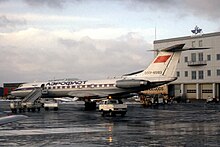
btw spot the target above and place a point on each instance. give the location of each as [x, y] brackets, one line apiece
[11, 118]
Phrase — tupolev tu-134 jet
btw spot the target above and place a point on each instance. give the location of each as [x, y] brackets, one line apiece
[160, 71]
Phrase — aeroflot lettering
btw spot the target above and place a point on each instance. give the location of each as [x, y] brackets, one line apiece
[65, 83]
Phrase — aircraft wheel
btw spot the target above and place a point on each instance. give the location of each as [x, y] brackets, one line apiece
[90, 106]
[103, 113]
[111, 113]
[33, 109]
[123, 114]
[13, 110]
[20, 110]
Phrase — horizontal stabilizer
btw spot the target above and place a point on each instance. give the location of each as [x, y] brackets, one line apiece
[174, 48]
[179, 47]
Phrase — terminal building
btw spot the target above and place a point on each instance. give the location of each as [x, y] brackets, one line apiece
[198, 71]
[8, 87]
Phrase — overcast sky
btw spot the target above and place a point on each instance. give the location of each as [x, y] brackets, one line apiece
[91, 39]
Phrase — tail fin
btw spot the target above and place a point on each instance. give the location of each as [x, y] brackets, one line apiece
[164, 64]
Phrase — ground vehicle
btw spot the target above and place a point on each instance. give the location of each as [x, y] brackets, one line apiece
[32, 106]
[51, 104]
[22, 106]
[15, 106]
[112, 107]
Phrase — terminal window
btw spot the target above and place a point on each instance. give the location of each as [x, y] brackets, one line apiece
[193, 75]
[208, 72]
[209, 57]
[178, 74]
[200, 43]
[186, 73]
[218, 56]
[200, 56]
[191, 91]
[218, 72]
[200, 74]
[193, 43]
[186, 59]
[193, 57]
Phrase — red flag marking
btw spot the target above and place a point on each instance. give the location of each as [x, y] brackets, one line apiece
[161, 59]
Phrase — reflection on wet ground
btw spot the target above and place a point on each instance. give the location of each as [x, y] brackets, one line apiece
[192, 124]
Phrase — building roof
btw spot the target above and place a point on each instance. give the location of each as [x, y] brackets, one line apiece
[187, 37]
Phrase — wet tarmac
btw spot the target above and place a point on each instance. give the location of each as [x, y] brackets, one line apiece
[189, 124]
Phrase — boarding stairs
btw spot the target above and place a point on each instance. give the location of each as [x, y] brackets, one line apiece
[30, 102]
[33, 96]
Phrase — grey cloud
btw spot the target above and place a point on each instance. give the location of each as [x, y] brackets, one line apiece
[153, 4]
[200, 8]
[87, 59]
[115, 58]
[49, 3]
[208, 9]
[1, 1]
[8, 25]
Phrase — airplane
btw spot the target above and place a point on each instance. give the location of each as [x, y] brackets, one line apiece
[161, 71]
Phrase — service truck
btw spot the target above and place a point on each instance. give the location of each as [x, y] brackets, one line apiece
[51, 104]
[112, 107]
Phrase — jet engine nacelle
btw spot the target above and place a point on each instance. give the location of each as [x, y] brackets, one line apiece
[131, 83]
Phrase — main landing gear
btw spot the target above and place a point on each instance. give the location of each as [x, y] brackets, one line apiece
[90, 105]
